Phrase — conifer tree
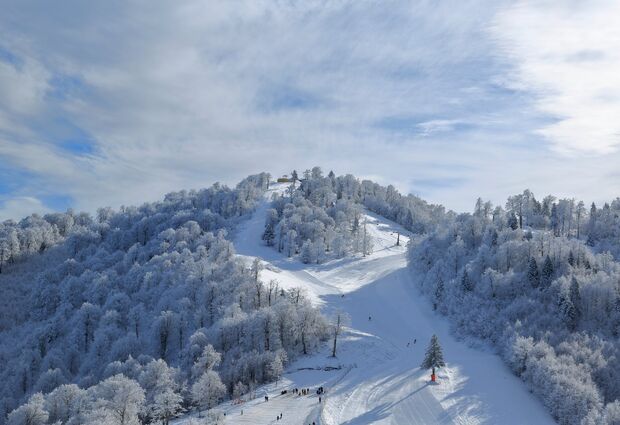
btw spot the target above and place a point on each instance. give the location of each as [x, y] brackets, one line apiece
[434, 356]
[547, 272]
[269, 235]
[466, 283]
[567, 309]
[512, 221]
[533, 277]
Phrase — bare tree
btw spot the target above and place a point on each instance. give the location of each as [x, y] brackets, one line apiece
[339, 321]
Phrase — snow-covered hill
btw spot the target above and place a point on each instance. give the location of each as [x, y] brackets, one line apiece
[375, 377]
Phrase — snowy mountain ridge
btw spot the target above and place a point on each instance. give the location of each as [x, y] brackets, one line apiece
[320, 283]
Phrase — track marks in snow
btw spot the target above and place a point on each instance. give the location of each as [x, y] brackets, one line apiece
[384, 384]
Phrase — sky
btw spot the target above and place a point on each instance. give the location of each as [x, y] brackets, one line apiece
[119, 102]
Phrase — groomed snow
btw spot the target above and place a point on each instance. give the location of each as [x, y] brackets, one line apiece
[379, 379]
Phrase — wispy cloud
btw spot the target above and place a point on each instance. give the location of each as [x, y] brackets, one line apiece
[568, 55]
[108, 105]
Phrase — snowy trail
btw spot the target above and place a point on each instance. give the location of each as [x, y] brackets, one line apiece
[385, 384]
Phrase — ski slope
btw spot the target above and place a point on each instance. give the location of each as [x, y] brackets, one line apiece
[378, 379]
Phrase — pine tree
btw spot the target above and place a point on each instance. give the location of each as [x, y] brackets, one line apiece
[571, 258]
[269, 235]
[466, 283]
[533, 277]
[567, 309]
[547, 272]
[592, 225]
[434, 357]
[513, 223]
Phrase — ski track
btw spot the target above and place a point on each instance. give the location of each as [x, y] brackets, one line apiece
[380, 382]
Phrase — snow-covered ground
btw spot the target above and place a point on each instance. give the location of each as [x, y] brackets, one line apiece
[378, 379]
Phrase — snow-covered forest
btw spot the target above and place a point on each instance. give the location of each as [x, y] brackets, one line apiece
[540, 282]
[137, 314]
[320, 217]
[147, 312]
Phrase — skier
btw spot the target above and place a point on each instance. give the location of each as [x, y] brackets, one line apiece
[414, 340]
[369, 318]
[319, 399]
[408, 344]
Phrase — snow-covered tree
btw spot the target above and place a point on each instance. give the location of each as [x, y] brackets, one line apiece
[547, 272]
[433, 359]
[166, 405]
[118, 401]
[276, 368]
[209, 359]
[533, 276]
[141, 291]
[31, 413]
[208, 390]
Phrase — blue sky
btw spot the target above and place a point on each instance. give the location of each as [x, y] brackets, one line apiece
[105, 105]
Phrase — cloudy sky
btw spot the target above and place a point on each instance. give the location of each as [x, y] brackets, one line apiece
[118, 102]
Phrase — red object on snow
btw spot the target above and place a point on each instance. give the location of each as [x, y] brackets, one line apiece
[433, 377]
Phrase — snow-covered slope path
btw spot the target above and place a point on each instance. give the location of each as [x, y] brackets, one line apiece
[380, 380]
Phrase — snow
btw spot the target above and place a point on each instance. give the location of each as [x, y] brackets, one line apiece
[379, 379]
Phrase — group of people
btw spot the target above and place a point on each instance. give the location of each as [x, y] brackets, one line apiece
[300, 392]
[303, 391]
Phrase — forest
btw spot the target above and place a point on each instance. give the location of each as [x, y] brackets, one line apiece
[138, 314]
[540, 281]
[321, 217]
[151, 302]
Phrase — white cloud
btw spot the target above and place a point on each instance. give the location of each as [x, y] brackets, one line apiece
[568, 55]
[194, 92]
[21, 207]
